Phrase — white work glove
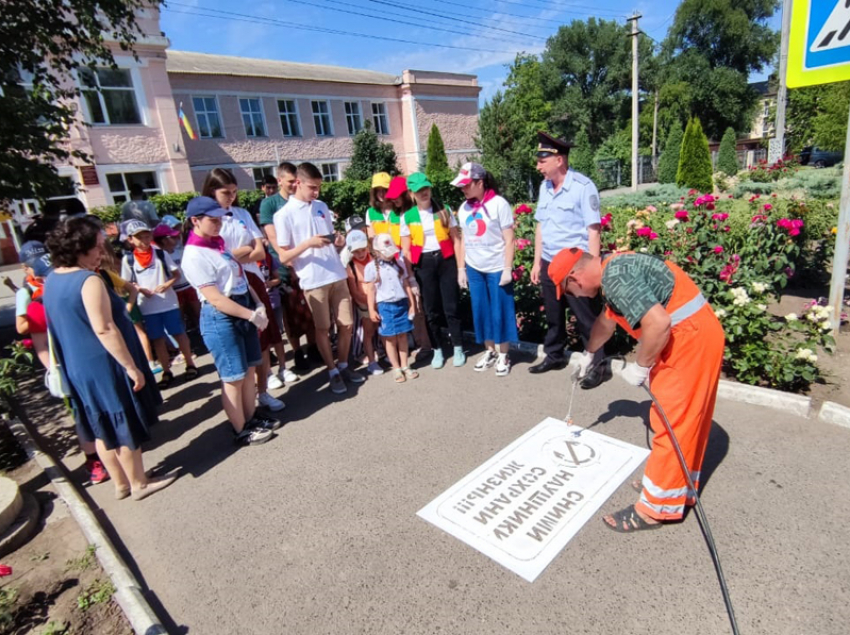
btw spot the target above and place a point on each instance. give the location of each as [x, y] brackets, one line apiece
[461, 279]
[507, 277]
[259, 318]
[584, 360]
[635, 374]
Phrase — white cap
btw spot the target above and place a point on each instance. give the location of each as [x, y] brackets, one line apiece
[356, 239]
[384, 245]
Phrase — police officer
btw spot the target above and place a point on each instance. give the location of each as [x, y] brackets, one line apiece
[567, 216]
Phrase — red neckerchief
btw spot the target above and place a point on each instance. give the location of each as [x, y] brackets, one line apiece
[37, 286]
[215, 242]
[144, 258]
[476, 204]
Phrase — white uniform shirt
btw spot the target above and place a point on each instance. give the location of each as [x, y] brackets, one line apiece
[205, 267]
[240, 230]
[484, 245]
[150, 278]
[298, 221]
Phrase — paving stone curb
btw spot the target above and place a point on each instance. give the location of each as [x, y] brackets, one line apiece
[831, 412]
[128, 592]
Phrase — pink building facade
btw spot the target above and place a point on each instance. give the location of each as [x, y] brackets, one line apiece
[249, 115]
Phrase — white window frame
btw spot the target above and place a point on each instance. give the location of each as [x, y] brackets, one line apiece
[295, 112]
[250, 113]
[102, 175]
[138, 94]
[353, 120]
[258, 184]
[205, 112]
[334, 175]
[328, 114]
[376, 117]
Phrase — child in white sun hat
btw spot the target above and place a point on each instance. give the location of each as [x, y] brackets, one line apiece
[391, 303]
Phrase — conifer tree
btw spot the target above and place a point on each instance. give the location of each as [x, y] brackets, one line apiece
[695, 160]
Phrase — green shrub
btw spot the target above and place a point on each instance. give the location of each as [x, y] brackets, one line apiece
[658, 195]
[727, 157]
[246, 199]
[347, 197]
[107, 213]
[695, 160]
[436, 163]
[822, 184]
[668, 164]
[175, 204]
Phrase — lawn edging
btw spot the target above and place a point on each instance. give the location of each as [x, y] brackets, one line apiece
[836, 414]
[128, 593]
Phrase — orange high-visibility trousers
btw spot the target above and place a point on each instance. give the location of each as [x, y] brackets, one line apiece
[684, 381]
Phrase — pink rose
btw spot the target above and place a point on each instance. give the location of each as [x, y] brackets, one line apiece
[644, 232]
[719, 216]
[682, 215]
[523, 209]
[718, 249]
[768, 207]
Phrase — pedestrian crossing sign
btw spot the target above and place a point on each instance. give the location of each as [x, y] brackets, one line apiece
[819, 43]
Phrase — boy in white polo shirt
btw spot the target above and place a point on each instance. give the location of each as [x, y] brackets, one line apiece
[305, 240]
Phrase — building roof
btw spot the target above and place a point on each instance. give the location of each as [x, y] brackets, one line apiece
[764, 89]
[205, 64]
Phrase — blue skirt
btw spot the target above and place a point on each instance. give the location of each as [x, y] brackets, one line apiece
[394, 319]
[493, 310]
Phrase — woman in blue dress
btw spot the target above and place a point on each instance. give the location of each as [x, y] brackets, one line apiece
[112, 390]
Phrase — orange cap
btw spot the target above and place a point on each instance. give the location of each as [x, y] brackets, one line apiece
[561, 265]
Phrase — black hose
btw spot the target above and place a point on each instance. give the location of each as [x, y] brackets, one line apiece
[700, 512]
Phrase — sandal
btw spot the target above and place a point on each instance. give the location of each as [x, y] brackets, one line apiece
[398, 375]
[410, 373]
[166, 379]
[628, 520]
[191, 372]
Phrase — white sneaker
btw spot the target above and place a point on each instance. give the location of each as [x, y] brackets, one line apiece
[486, 361]
[503, 366]
[289, 376]
[374, 368]
[269, 402]
[275, 382]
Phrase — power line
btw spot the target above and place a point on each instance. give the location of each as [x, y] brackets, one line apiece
[237, 17]
[553, 7]
[549, 22]
[440, 15]
[549, 5]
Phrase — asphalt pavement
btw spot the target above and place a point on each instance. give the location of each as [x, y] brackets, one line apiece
[316, 531]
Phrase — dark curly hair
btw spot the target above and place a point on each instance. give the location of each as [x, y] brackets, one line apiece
[71, 239]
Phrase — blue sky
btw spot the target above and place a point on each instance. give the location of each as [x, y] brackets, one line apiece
[498, 28]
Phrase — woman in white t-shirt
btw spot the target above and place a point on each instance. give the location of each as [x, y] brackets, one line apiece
[430, 240]
[229, 319]
[487, 223]
[244, 240]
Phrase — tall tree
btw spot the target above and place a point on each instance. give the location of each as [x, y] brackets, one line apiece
[42, 45]
[695, 160]
[436, 162]
[587, 69]
[713, 46]
[817, 115]
[727, 157]
[581, 156]
[668, 165]
[830, 125]
[370, 155]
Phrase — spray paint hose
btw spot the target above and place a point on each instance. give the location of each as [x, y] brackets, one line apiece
[698, 509]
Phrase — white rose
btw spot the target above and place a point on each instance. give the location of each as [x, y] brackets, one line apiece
[759, 287]
[720, 313]
[672, 223]
[761, 307]
[791, 317]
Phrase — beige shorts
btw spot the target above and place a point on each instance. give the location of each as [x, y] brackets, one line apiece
[328, 301]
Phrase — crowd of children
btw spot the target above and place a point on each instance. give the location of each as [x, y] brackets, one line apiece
[232, 282]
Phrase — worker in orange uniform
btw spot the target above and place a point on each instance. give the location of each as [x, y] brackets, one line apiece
[680, 353]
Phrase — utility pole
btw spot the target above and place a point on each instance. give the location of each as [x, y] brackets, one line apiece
[635, 99]
[782, 93]
[655, 136]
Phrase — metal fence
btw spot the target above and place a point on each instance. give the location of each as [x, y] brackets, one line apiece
[614, 173]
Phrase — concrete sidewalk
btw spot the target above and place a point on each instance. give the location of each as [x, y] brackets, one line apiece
[315, 532]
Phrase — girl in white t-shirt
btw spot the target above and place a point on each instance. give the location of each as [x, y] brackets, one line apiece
[487, 223]
[229, 319]
[391, 303]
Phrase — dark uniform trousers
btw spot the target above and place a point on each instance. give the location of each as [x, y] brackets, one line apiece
[586, 311]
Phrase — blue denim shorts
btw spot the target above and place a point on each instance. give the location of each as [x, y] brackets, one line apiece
[234, 343]
[158, 324]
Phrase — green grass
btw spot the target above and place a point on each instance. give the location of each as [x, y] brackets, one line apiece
[97, 592]
[84, 562]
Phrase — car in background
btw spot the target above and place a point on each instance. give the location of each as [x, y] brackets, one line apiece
[814, 156]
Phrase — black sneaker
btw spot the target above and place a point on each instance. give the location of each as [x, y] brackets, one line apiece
[252, 436]
[264, 423]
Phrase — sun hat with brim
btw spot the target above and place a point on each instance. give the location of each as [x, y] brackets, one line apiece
[398, 186]
[469, 172]
[164, 231]
[561, 266]
[381, 179]
[417, 181]
[204, 206]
